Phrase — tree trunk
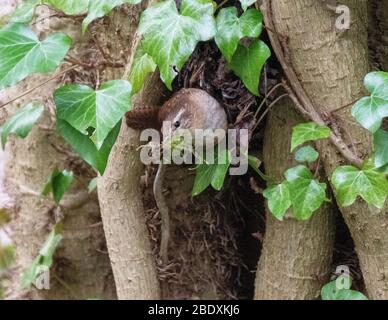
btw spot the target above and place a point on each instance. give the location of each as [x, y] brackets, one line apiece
[296, 258]
[120, 194]
[123, 213]
[81, 269]
[331, 65]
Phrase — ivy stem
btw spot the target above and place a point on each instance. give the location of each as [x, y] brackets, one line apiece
[273, 103]
[267, 96]
[74, 60]
[39, 85]
[344, 106]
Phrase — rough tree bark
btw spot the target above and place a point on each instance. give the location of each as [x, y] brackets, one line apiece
[81, 269]
[331, 65]
[296, 257]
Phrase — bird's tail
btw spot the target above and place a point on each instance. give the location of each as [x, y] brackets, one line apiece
[143, 118]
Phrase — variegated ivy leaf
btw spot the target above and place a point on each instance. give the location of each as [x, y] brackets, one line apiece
[44, 260]
[231, 29]
[305, 132]
[100, 8]
[143, 65]
[370, 111]
[369, 183]
[21, 123]
[85, 109]
[170, 37]
[381, 148]
[246, 3]
[22, 53]
[307, 194]
[279, 199]
[248, 62]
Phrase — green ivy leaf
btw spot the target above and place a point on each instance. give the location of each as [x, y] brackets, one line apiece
[255, 164]
[246, 3]
[228, 32]
[248, 62]
[100, 8]
[44, 260]
[4, 217]
[83, 108]
[25, 11]
[92, 185]
[21, 53]
[211, 174]
[306, 193]
[170, 37]
[221, 169]
[85, 147]
[202, 13]
[306, 154]
[279, 199]
[7, 256]
[69, 7]
[381, 148]
[383, 170]
[331, 292]
[230, 29]
[251, 23]
[370, 111]
[58, 184]
[143, 64]
[203, 178]
[350, 182]
[308, 132]
[21, 123]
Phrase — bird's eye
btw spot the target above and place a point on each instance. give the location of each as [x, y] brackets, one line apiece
[177, 124]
